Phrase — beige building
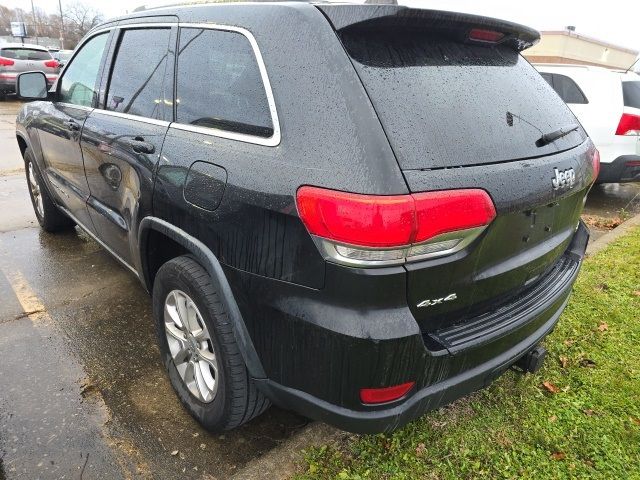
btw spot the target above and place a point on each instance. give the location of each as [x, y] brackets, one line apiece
[570, 47]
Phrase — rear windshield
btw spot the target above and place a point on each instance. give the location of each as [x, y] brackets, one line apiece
[631, 94]
[25, 54]
[446, 103]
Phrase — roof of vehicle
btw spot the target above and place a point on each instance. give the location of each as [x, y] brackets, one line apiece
[626, 76]
[344, 15]
[23, 45]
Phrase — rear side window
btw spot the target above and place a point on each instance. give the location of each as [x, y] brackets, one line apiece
[568, 89]
[631, 94]
[25, 54]
[219, 84]
[446, 103]
[136, 86]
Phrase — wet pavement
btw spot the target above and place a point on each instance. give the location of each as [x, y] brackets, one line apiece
[82, 390]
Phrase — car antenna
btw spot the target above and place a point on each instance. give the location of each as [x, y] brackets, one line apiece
[631, 66]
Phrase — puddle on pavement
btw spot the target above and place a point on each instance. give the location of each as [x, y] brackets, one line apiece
[100, 348]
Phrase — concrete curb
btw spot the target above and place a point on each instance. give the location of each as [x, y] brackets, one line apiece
[613, 235]
[282, 462]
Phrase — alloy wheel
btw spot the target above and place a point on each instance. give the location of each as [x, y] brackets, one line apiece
[36, 191]
[191, 346]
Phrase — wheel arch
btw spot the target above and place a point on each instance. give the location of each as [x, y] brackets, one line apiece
[187, 244]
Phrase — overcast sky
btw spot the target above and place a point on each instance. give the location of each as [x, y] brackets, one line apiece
[615, 21]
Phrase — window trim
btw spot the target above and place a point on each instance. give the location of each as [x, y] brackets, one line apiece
[273, 140]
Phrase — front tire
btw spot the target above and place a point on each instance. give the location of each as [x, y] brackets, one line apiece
[198, 348]
[49, 216]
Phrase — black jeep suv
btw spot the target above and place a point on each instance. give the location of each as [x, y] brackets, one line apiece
[358, 212]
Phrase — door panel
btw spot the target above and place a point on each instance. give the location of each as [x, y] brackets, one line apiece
[59, 133]
[120, 155]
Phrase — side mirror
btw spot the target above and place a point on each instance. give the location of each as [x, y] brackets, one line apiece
[31, 86]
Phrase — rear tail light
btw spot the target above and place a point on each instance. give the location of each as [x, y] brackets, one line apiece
[386, 394]
[629, 125]
[489, 36]
[6, 62]
[596, 164]
[51, 64]
[633, 163]
[371, 230]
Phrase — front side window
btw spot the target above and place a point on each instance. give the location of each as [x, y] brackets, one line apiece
[136, 86]
[79, 82]
[219, 83]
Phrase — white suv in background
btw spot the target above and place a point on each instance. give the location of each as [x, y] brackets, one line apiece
[607, 103]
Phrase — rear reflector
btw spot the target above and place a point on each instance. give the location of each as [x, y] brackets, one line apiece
[629, 125]
[385, 394]
[51, 64]
[388, 228]
[596, 164]
[489, 36]
[6, 62]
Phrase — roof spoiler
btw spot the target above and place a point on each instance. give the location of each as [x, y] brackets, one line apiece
[346, 17]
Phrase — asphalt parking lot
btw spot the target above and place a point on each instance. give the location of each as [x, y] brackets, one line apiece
[82, 391]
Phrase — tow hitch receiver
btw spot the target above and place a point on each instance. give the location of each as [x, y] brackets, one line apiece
[532, 361]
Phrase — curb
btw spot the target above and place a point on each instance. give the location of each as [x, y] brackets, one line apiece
[282, 461]
[613, 235]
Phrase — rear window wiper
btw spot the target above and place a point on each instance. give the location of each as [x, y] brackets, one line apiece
[548, 138]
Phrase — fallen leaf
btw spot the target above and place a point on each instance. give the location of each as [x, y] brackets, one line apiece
[635, 420]
[174, 453]
[421, 449]
[550, 387]
[568, 342]
[588, 412]
[558, 456]
[636, 293]
[564, 361]
[553, 418]
[603, 326]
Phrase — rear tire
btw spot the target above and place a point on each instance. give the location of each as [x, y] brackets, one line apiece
[49, 216]
[234, 399]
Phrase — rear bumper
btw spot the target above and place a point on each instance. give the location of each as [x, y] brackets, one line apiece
[625, 168]
[482, 363]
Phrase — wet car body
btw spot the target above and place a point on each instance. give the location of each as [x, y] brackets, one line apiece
[315, 331]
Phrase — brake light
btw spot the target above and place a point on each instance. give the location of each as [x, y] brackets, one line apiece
[629, 124]
[358, 229]
[385, 394]
[51, 64]
[596, 164]
[490, 36]
[6, 62]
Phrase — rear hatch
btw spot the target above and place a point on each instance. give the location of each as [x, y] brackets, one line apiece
[463, 109]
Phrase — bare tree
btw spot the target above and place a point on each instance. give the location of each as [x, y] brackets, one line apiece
[79, 18]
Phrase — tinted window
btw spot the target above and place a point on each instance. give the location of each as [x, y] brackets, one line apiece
[137, 77]
[25, 54]
[631, 93]
[78, 84]
[445, 103]
[219, 83]
[548, 77]
[568, 89]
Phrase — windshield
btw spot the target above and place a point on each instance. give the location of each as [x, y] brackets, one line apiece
[447, 103]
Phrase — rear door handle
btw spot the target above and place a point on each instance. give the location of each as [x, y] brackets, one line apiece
[139, 145]
[72, 125]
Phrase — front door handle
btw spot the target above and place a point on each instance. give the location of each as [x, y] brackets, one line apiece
[72, 125]
[139, 145]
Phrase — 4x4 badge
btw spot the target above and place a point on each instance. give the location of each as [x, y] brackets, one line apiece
[436, 301]
[564, 178]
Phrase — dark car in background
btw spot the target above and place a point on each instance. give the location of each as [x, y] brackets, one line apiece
[359, 212]
[16, 58]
